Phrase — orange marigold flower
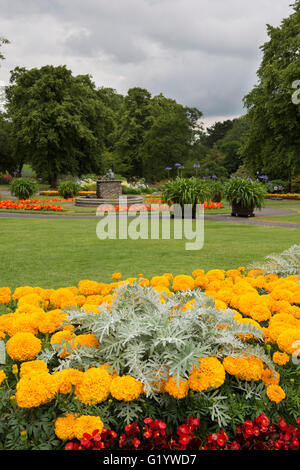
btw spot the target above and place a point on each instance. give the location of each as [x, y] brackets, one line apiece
[275, 393]
[65, 427]
[176, 389]
[23, 346]
[183, 283]
[5, 295]
[94, 386]
[87, 424]
[116, 276]
[126, 388]
[280, 358]
[2, 376]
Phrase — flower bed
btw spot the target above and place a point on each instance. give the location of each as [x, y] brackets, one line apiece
[54, 192]
[283, 196]
[218, 346]
[31, 205]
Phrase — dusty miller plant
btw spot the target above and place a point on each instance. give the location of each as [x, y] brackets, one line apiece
[284, 264]
[143, 337]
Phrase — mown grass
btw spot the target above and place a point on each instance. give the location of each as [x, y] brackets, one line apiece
[58, 252]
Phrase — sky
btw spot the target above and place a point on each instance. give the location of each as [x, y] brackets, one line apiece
[202, 53]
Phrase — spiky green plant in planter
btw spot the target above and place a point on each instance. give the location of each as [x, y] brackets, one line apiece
[187, 191]
[244, 195]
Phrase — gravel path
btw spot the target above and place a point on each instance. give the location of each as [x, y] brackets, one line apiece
[266, 212]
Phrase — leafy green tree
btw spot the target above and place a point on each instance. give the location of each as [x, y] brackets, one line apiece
[134, 120]
[215, 133]
[169, 139]
[3, 41]
[57, 121]
[272, 143]
[230, 144]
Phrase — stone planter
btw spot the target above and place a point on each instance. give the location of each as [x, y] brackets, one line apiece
[240, 211]
[108, 189]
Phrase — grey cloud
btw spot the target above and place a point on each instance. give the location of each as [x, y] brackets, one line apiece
[202, 53]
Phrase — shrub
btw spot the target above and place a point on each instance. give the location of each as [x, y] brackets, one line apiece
[295, 187]
[68, 189]
[246, 193]
[23, 188]
[5, 179]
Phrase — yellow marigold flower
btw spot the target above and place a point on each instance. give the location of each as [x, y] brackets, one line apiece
[289, 340]
[63, 298]
[93, 300]
[220, 305]
[144, 282]
[87, 424]
[64, 427]
[275, 393]
[51, 321]
[2, 376]
[160, 281]
[215, 274]
[91, 308]
[62, 338]
[31, 299]
[5, 295]
[31, 366]
[21, 291]
[280, 358]
[116, 276]
[176, 390]
[198, 272]
[201, 281]
[94, 386]
[87, 340]
[183, 283]
[126, 388]
[268, 377]
[87, 287]
[35, 389]
[210, 373]
[23, 347]
[245, 368]
[66, 379]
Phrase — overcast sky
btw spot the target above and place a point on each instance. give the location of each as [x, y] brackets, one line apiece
[203, 53]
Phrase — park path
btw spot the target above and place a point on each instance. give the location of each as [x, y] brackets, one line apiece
[265, 212]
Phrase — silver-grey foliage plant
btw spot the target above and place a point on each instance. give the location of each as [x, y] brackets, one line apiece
[148, 339]
[284, 264]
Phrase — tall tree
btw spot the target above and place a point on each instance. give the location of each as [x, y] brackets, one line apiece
[2, 42]
[57, 121]
[272, 145]
[134, 120]
[216, 132]
[169, 139]
[230, 144]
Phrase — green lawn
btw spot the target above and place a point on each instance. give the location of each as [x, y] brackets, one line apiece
[55, 253]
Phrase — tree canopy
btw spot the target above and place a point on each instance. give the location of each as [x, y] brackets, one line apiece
[272, 143]
[57, 121]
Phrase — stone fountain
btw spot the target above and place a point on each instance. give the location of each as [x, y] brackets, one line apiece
[108, 191]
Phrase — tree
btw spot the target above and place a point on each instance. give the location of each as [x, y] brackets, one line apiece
[134, 120]
[7, 162]
[169, 139]
[272, 143]
[3, 41]
[230, 144]
[57, 121]
[216, 132]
